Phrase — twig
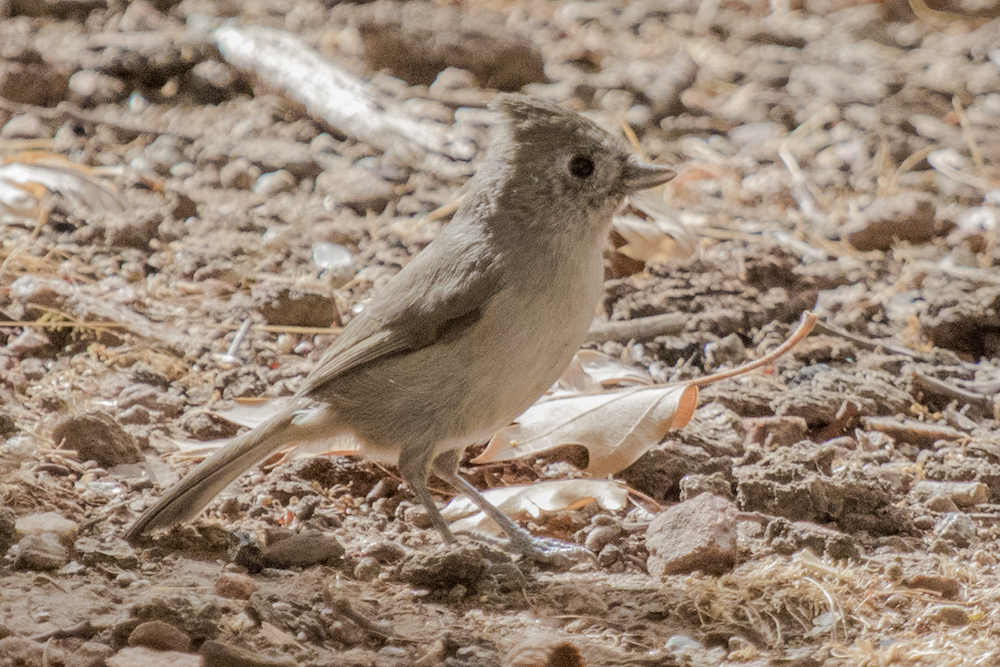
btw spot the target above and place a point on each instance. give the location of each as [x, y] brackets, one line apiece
[347, 103]
[639, 329]
[864, 342]
[805, 327]
[951, 392]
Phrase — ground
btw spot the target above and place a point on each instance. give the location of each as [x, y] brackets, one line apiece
[833, 155]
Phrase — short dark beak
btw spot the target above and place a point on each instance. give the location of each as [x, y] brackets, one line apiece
[640, 176]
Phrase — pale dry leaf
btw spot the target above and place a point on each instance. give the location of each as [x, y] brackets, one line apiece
[252, 412]
[660, 238]
[608, 371]
[531, 501]
[616, 427]
[26, 178]
[591, 371]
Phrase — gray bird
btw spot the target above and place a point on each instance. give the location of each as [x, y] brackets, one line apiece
[471, 332]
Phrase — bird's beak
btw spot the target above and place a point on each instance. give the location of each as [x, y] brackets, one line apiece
[639, 176]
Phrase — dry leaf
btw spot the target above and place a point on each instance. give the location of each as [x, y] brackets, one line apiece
[608, 371]
[530, 501]
[27, 178]
[615, 427]
[659, 239]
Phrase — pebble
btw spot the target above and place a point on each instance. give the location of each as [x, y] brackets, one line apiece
[47, 522]
[41, 552]
[961, 494]
[356, 188]
[697, 534]
[272, 183]
[303, 550]
[140, 656]
[234, 586]
[948, 614]
[239, 174]
[25, 126]
[218, 654]
[602, 536]
[166, 151]
[96, 87]
[160, 636]
[956, 527]
[367, 569]
[96, 436]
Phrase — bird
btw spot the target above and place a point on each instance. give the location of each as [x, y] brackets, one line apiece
[471, 332]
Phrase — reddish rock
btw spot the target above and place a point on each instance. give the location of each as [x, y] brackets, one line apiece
[698, 534]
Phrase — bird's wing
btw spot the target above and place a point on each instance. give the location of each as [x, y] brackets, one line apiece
[438, 294]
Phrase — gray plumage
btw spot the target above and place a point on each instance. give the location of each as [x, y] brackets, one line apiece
[472, 331]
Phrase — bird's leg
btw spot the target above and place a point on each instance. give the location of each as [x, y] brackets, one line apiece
[543, 549]
[414, 466]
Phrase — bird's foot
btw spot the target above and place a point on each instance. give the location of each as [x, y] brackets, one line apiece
[547, 550]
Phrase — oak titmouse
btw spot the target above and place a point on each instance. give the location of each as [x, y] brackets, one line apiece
[472, 331]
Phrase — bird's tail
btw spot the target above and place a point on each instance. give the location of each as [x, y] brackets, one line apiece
[186, 499]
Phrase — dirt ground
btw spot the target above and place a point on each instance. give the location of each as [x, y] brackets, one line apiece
[835, 155]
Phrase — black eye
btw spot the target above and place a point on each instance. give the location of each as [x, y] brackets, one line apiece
[581, 166]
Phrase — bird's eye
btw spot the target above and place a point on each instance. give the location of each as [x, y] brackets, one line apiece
[581, 166]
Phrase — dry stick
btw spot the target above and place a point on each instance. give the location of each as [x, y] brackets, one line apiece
[639, 329]
[865, 343]
[809, 320]
[802, 188]
[936, 159]
[347, 103]
[86, 324]
[906, 165]
[970, 141]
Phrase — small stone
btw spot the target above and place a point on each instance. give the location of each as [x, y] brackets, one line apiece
[234, 586]
[95, 87]
[91, 654]
[218, 654]
[956, 527]
[323, 143]
[729, 351]
[906, 217]
[896, 601]
[165, 151]
[387, 552]
[716, 484]
[47, 522]
[160, 636]
[30, 343]
[96, 436]
[355, 188]
[125, 579]
[274, 182]
[948, 587]
[948, 614]
[8, 531]
[25, 126]
[962, 494]
[697, 534]
[239, 174]
[41, 552]
[141, 656]
[602, 536]
[941, 504]
[282, 305]
[367, 569]
[609, 555]
[303, 550]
